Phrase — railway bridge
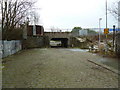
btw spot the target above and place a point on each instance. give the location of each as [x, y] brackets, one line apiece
[63, 37]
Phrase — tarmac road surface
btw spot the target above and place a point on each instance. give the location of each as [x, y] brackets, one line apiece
[55, 68]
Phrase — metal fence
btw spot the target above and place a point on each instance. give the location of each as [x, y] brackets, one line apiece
[9, 47]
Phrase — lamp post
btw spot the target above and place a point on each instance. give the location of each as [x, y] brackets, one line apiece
[99, 31]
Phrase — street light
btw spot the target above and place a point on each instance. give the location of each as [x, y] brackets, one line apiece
[99, 31]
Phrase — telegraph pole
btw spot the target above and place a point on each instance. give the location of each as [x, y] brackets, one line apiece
[106, 27]
[106, 13]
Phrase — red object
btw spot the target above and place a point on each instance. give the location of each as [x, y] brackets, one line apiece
[39, 30]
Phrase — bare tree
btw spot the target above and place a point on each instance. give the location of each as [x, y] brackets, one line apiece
[34, 17]
[14, 14]
[52, 29]
[114, 10]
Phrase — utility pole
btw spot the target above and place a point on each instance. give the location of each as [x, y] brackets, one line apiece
[106, 13]
[106, 28]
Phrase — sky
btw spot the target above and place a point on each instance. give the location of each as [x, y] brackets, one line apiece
[67, 14]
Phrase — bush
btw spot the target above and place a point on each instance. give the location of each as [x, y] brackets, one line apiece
[15, 34]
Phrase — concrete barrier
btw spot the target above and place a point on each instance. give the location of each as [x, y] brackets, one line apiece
[9, 47]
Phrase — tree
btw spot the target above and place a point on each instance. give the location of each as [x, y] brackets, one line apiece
[79, 28]
[113, 10]
[34, 17]
[76, 29]
[55, 29]
[14, 14]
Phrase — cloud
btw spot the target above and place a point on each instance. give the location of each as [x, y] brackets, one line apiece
[70, 13]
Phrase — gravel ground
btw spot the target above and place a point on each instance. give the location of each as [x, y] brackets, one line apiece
[55, 68]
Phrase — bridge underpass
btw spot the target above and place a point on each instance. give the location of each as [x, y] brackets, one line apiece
[59, 42]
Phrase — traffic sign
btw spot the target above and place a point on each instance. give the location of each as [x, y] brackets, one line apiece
[106, 30]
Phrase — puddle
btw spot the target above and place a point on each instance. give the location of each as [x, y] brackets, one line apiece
[112, 62]
[1, 67]
[94, 54]
[79, 50]
[44, 49]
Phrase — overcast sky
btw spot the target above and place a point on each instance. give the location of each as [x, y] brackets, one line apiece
[70, 13]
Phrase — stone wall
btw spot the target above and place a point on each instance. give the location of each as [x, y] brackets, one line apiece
[9, 47]
[35, 42]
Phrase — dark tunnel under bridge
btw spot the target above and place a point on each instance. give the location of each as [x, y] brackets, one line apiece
[60, 43]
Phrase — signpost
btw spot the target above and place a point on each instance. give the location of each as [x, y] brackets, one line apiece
[106, 31]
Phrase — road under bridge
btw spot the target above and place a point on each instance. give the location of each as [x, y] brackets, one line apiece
[63, 37]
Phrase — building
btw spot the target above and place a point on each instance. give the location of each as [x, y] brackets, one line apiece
[83, 32]
[35, 30]
[77, 32]
[34, 37]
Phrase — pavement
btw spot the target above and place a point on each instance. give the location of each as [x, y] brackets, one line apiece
[55, 68]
